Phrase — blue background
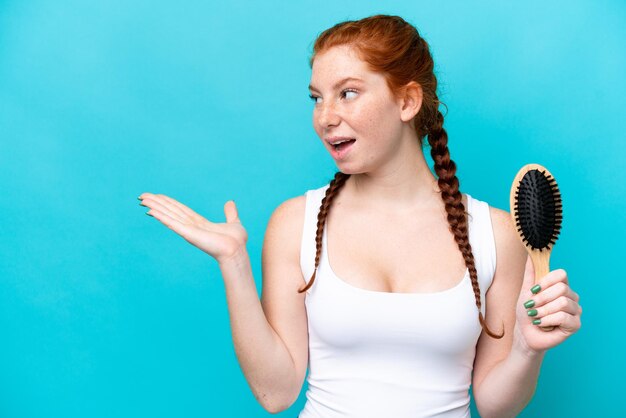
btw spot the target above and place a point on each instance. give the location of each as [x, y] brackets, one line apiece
[106, 312]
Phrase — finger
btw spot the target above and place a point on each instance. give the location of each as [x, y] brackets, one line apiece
[567, 322]
[155, 204]
[554, 276]
[230, 210]
[163, 200]
[553, 292]
[562, 303]
[147, 195]
[182, 208]
[173, 224]
[175, 206]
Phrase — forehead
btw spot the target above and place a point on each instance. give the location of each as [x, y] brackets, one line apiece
[336, 63]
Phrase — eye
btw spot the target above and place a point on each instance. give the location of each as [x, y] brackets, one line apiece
[346, 91]
[314, 98]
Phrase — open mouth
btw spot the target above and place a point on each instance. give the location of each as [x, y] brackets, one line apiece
[343, 145]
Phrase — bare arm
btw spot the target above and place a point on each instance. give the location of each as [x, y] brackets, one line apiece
[504, 379]
[270, 336]
[510, 385]
[264, 359]
[506, 370]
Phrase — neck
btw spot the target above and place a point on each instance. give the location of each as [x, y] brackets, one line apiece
[405, 182]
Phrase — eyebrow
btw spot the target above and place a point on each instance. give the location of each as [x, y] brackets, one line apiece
[339, 83]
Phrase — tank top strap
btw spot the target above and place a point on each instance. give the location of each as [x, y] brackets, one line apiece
[482, 241]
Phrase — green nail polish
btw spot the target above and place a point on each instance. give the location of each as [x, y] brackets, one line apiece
[529, 304]
[149, 214]
[532, 312]
[535, 289]
[138, 198]
[536, 321]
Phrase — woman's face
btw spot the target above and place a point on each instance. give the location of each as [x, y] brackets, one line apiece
[352, 102]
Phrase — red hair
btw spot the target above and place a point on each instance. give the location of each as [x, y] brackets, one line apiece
[391, 46]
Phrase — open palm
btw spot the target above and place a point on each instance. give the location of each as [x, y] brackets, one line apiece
[219, 240]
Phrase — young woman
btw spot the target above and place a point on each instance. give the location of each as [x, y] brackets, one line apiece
[361, 276]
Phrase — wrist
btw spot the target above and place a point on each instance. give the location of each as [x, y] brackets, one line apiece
[238, 258]
[523, 350]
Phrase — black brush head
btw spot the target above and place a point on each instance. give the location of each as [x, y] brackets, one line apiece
[538, 209]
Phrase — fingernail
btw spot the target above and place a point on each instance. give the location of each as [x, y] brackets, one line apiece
[536, 321]
[535, 289]
[149, 214]
[532, 312]
[138, 198]
[529, 304]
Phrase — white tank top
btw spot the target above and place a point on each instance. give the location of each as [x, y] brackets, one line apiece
[381, 354]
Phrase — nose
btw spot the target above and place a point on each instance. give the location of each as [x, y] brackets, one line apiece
[327, 115]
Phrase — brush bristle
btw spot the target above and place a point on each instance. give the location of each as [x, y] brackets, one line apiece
[538, 210]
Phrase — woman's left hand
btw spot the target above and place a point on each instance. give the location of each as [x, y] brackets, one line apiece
[555, 304]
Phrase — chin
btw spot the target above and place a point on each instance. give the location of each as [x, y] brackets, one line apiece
[349, 169]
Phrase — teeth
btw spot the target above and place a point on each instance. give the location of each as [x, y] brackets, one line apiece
[341, 142]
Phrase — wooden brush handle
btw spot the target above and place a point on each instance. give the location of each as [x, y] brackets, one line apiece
[541, 262]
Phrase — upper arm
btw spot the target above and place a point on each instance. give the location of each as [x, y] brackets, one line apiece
[501, 297]
[282, 277]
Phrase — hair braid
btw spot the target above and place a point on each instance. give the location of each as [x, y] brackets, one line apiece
[457, 216]
[333, 190]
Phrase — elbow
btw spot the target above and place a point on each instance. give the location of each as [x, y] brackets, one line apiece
[279, 396]
[276, 408]
[487, 407]
[499, 415]
[492, 408]
[271, 405]
[272, 410]
[276, 405]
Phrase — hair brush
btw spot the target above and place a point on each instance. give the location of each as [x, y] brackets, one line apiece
[537, 212]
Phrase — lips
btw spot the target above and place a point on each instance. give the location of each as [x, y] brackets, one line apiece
[342, 147]
[337, 139]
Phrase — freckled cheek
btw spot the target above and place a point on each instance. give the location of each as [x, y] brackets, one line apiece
[369, 124]
[362, 121]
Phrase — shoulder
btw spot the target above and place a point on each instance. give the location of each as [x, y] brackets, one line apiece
[507, 242]
[287, 220]
[280, 257]
[290, 207]
[285, 228]
[509, 248]
[288, 217]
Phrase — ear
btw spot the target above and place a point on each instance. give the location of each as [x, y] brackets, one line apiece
[410, 101]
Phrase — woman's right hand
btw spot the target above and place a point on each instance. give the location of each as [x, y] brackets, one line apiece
[220, 240]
